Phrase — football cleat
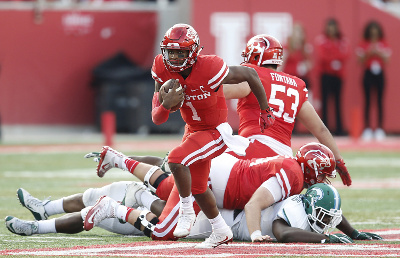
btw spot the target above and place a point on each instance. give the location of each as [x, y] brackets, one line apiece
[109, 158]
[21, 227]
[130, 199]
[33, 204]
[215, 239]
[104, 208]
[185, 224]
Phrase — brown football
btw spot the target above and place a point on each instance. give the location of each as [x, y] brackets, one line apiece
[168, 85]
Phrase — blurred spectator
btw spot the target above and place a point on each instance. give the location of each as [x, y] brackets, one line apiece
[297, 56]
[332, 53]
[373, 52]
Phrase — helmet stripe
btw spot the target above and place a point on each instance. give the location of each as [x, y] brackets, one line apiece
[336, 196]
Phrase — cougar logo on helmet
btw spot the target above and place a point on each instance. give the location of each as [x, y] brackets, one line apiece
[323, 160]
[317, 162]
[263, 49]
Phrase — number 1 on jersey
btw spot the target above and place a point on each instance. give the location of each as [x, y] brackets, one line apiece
[194, 116]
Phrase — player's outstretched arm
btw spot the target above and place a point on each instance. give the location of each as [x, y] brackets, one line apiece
[261, 199]
[310, 119]
[287, 234]
[353, 233]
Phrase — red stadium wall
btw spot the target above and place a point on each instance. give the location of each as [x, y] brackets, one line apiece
[46, 65]
[352, 16]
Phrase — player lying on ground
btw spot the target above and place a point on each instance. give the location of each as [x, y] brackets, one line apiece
[142, 171]
[301, 212]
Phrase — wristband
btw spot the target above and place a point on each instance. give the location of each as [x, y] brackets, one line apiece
[255, 234]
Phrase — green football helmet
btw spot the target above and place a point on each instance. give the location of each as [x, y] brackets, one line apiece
[322, 205]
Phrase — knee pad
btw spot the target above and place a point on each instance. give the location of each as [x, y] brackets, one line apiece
[147, 178]
[148, 225]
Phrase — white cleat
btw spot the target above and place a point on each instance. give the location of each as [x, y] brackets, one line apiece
[109, 158]
[21, 227]
[185, 224]
[130, 199]
[33, 204]
[215, 239]
[104, 208]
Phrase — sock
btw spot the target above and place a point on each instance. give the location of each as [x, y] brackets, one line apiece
[121, 212]
[129, 164]
[54, 207]
[186, 203]
[147, 199]
[218, 223]
[47, 226]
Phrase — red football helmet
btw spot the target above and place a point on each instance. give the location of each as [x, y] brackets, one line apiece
[317, 162]
[263, 49]
[183, 37]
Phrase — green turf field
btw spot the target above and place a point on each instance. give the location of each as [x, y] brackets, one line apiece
[373, 202]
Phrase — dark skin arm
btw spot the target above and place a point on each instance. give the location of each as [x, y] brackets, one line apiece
[287, 234]
[345, 226]
[238, 74]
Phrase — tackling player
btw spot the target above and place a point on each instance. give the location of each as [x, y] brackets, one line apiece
[287, 96]
[204, 111]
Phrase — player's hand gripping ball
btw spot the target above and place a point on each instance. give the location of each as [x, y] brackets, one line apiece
[174, 88]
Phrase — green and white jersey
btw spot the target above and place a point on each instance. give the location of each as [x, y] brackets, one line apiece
[291, 210]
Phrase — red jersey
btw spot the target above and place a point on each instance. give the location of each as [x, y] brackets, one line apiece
[367, 46]
[248, 175]
[332, 54]
[204, 107]
[285, 93]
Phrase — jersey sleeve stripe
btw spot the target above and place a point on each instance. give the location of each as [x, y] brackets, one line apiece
[155, 77]
[284, 183]
[217, 79]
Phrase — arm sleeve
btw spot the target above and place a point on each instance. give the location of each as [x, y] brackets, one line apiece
[159, 113]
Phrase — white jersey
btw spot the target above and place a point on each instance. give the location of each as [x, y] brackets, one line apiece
[116, 191]
[291, 210]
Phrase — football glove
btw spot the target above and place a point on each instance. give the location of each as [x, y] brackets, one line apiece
[339, 238]
[342, 170]
[365, 235]
[94, 155]
[267, 119]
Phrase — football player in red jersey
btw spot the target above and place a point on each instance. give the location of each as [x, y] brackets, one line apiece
[204, 110]
[287, 96]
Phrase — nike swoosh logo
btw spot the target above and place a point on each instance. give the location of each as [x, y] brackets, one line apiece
[223, 241]
[105, 166]
[90, 219]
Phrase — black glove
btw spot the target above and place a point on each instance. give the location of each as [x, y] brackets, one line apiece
[364, 236]
[339, 238]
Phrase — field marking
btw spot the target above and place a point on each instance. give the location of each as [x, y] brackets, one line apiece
[174, 249]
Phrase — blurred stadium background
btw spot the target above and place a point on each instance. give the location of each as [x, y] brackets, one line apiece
[66, 62]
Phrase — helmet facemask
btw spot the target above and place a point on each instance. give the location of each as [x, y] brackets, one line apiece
[324, 221]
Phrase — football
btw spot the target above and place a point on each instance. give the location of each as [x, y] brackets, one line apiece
[167, 87]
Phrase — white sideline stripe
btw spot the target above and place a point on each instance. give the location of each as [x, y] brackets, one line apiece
[373, 162]
[66, 173]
